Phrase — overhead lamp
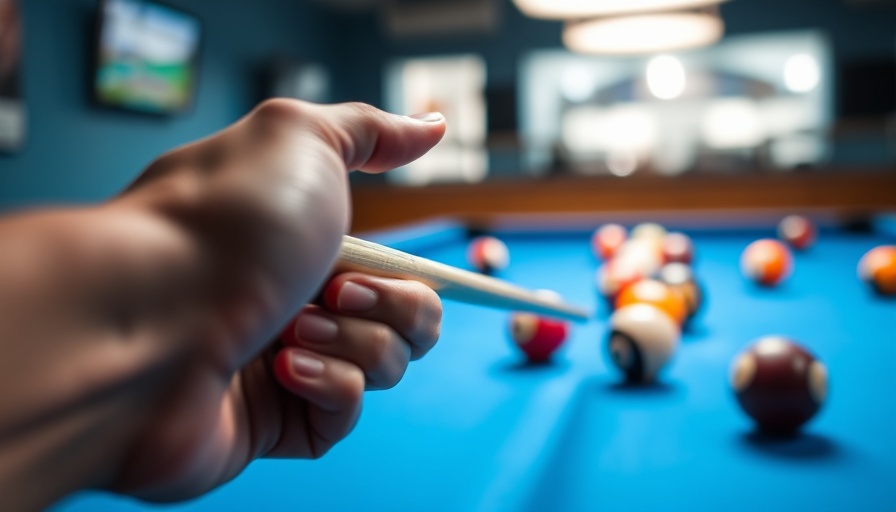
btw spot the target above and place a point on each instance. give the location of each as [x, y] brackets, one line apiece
[643, 33]
[579, 9]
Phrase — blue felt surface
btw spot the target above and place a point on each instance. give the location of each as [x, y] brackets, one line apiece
[472, 428]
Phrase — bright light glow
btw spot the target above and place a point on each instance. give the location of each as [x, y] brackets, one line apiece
[801, 73]
[569, 9]
[577, 83]
[647, 33]
[732, 124]
[666, 77]
[622, 163]
[623, 128]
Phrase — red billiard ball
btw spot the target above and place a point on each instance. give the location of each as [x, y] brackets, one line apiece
[767, 262]
[642, 341]
[779, 384]
[798, 231]
[488, 255]
[607, 240]
[878, 268]
[537, 336]
[678, 248]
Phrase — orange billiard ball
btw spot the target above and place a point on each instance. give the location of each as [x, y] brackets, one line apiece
[614, 276]
[537, 336]
[767, 262]
[680, 276]
[656, 293]
[798, 231]
[878, 268]
[607, 240]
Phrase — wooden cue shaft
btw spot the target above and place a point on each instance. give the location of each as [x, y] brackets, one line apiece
[449, 282]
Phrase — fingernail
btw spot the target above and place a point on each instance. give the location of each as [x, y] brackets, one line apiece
[429, 117]
[354, 297]
[306, 366]
[315, 327]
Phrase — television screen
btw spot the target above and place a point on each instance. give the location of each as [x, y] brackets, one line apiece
[146, 56]
[12, 103]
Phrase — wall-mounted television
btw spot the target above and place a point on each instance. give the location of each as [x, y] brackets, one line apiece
[146, 56]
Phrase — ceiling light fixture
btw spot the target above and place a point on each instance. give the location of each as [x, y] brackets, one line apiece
[643, 33]
[578, 9]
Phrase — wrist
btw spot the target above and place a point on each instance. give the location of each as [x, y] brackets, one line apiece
[84, 351]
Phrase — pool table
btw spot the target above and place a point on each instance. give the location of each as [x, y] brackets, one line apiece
[473, 427]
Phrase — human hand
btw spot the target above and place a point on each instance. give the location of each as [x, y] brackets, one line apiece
[262, 207]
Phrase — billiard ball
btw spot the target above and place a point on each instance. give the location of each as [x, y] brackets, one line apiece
[645, 255]
[680, 277]
[488, 255]
[613, 276]
[537, 336]
[779, 384]
[767, 262]
[797, 231]
[649, 230]
[607, 240]
[642, 341]
[656, 293]
[878, 268]
[678, 248]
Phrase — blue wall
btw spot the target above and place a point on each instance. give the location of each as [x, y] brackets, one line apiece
[854, 32]
[76, 152]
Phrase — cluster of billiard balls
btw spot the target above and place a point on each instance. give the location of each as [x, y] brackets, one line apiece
[648, 282]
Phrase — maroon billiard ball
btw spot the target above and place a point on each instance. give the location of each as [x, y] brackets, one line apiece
[797, 231]
[779, 384]
[537, 336]
[488, 255]
[678, 248]
[642, 341]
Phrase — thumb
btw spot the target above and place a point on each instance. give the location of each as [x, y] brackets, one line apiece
[374, 141]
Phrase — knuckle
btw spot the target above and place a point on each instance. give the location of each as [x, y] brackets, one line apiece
[362, 109]
[393, 375]
[353, 386]
[379, 343]
[281, 110]
[425, 316]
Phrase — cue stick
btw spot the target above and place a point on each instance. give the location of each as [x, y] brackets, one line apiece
[450, 282]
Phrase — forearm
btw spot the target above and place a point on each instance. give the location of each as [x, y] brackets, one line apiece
[82, 342]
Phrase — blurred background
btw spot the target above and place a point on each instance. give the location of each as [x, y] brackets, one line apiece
[553, 106]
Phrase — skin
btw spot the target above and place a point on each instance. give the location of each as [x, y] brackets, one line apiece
[138, 338]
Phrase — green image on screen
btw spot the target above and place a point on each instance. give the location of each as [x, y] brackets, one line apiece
[146, 56]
